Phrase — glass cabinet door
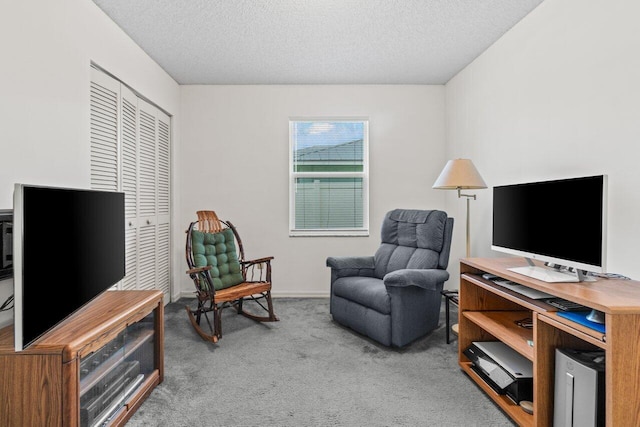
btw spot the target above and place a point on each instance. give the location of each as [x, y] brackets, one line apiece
[111, 374]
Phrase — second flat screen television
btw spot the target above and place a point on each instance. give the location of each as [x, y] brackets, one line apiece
[560, 221]
[68, 248]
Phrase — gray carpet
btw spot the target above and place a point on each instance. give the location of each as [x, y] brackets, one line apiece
[306, 370]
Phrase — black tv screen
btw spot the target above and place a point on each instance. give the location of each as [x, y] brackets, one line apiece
[560, 221]
[68, 248]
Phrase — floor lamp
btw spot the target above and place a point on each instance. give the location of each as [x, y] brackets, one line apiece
[461, 174]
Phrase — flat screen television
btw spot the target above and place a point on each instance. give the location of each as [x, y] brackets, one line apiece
[68, 248]
[560, 222]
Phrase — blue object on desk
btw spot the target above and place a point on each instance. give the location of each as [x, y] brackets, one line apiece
[581, 318]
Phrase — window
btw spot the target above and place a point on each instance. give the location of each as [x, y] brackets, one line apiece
[329, 177]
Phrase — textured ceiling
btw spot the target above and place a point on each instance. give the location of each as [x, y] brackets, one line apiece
[315, 41]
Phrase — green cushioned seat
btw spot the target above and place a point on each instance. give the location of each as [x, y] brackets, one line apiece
[219, 251]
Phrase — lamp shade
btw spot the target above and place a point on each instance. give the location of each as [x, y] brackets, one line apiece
[459, 173]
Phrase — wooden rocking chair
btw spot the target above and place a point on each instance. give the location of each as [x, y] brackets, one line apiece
[222, 277]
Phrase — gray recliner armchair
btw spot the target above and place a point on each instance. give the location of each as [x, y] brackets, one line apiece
[394, 296]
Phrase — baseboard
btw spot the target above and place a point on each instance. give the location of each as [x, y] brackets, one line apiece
[281, 294]
[298, 294]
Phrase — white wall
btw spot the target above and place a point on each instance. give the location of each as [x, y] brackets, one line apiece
[233, 158]
[47, 48]
[557, 96]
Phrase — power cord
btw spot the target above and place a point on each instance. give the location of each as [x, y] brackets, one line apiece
[7, 304]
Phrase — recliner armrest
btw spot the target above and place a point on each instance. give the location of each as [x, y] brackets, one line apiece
[427, 279]
[350, 262]
[352, 266]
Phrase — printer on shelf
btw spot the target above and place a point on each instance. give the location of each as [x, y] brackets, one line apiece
[505, 370]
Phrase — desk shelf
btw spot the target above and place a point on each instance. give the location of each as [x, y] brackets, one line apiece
[502, 325]
[488, 312]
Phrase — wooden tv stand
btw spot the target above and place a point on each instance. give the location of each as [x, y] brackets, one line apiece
[102, 362]
[487, 313]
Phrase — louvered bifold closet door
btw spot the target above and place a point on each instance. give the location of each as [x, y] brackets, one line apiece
[147, 183]
[104, 120]
[153, 188]
[164, 161]
[130, 152]
[129, 182]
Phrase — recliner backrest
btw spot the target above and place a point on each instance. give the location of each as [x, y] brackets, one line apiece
[412, 238]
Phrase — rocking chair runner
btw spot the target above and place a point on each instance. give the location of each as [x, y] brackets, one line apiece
[221, 277]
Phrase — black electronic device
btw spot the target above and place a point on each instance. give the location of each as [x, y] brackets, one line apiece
[6, 244]
[566, 305]
[562, 222]
[67, 242]
[502, 368]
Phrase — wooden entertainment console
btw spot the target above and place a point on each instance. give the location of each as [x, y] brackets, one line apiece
[97, 366]
[487, 312]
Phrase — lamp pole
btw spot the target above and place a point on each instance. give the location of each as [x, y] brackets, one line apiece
[469, 197]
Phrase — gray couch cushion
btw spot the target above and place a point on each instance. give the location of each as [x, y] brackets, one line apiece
[367, 291]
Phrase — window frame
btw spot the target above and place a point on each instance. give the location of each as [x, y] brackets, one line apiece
[364, 175]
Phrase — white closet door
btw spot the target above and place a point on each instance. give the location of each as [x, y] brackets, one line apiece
[104, 120]
[130, 152]
[129, 184]
[164, 157]
[147, 195]
[153, 188]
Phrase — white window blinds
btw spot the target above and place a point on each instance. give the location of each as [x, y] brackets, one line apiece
[328, 176]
